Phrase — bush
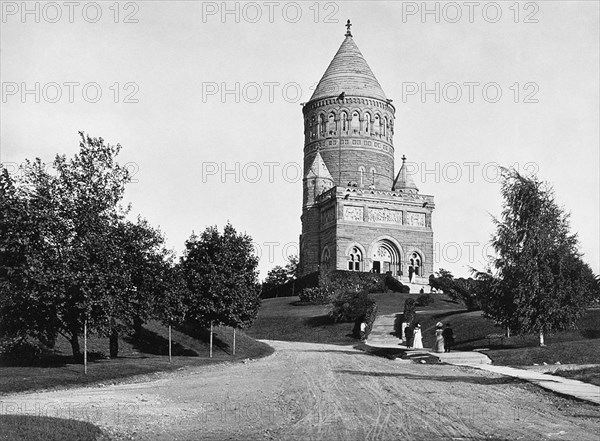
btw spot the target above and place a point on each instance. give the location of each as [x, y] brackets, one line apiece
[409, 310]
[340, 281]
[368, 317]
[20, 347]
[424, 300]
[349, 306]
[315, 296]
[293, 287]
[395, 285]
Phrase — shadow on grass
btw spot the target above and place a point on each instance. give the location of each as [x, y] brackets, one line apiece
[443, 378]
[149, 342]
[203, 335]
[321, 320]
[590, 333]
[47, 360]
[27, 427]
[443, 315]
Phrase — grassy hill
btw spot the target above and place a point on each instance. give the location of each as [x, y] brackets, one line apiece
[145, 355]
[285, 319]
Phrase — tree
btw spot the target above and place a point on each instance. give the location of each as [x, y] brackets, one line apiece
[466, 290]
[541, 284]
[222, 278]
[279, 275]
[276, 276]
[68, 256]
[147, 278]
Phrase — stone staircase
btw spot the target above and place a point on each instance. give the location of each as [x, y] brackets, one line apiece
[381, 336]
[381, 333]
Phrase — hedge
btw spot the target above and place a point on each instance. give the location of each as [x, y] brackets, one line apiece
[293, 287]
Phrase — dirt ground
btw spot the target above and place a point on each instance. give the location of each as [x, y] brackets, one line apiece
[307, 391]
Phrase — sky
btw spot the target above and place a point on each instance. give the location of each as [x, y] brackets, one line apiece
[205, 99]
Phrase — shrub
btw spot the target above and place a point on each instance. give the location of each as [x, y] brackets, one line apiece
[395, 285]
[315, 296]
[291, 288]
[349, 306]
[424, 300]
[370, 315]
[409, 310]
[340, 281]
[20, 347]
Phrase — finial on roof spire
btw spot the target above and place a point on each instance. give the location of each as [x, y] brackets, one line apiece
[348, 26]
[403, 158]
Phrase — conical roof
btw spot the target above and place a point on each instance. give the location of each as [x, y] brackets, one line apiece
[348, 73]
[404, 180]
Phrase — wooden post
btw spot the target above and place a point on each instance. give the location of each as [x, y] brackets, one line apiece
[233, 341]
[170, 344]
[85, 346]
[210, 345]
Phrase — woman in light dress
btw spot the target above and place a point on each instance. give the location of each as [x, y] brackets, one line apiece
[439, 338]
[417, 338]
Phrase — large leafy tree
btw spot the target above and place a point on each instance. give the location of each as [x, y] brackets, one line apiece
[220, 270]
[541, 283]
[68, 256]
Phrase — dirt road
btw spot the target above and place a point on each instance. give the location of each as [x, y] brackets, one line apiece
[310, 391]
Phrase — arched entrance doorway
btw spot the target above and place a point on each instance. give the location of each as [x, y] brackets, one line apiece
[386, 258]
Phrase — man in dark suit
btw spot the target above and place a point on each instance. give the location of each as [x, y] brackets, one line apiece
[409, 333]
[448, 335]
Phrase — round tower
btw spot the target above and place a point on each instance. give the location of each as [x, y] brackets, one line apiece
[350, 122]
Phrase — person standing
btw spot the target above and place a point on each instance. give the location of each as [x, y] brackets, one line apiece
[409, 333]
[439, 338]
[448, 335]
[417, 337]
[363, 331]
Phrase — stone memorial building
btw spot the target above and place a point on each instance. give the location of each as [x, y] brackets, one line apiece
[357, 214]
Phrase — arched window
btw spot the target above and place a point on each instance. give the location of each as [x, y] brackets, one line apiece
[355, 259]
[331, 123]
[377, 124]
[322, 125]
[372, 172]
[326, 258]
[414, 266]
[361, 175]
[368, 123]
[313, 127]
[384, 126]
[344, 121]
[355, 123]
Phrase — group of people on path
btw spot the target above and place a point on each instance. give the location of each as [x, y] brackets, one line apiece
[444, 337]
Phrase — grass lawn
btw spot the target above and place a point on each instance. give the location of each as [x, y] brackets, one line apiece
[283, 319]
[581, 346]
[35, 428]
[143, 356]
[587, 375]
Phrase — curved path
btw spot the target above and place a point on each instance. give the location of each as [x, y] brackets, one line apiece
[310, 391]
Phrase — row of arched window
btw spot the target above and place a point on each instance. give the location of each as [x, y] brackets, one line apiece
[362, 176]
[355, 262]
[326, 125]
